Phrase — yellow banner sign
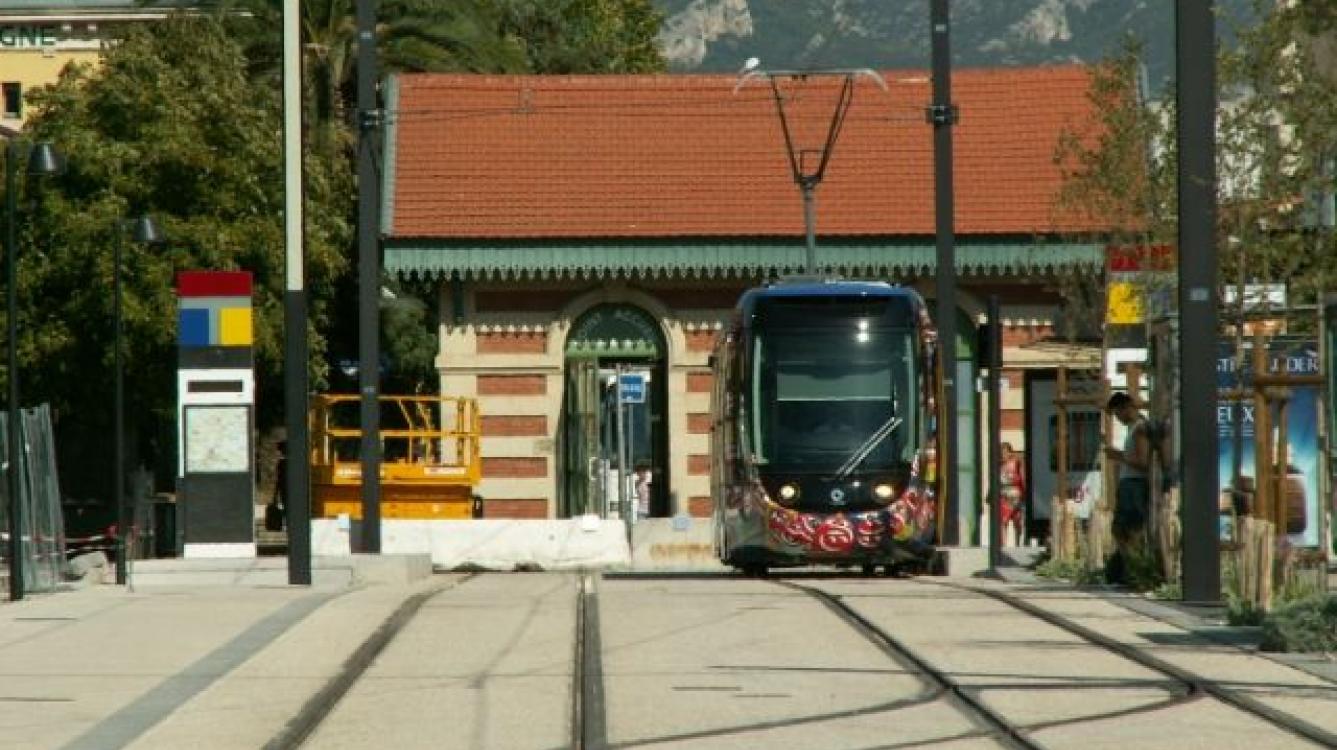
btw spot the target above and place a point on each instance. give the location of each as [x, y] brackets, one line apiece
[1124, 304]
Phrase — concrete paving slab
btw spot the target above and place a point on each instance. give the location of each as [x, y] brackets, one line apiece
[98, 667]
[1203, 724]
[253, 703]
[693, 663]
[1188, 724]
[1274, 684]
[1024, 669]
[484, 665]
[688, 662]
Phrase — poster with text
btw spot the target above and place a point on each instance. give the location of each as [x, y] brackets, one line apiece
[1236, 422]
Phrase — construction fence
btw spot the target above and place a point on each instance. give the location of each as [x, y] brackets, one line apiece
[42, 526]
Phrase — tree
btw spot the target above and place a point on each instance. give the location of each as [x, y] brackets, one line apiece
[1118, 170]
[586, 36]
[410, 336]
[412, 36]
[1278, 144]
[170, 124]
[1276, 141]
[475, 36]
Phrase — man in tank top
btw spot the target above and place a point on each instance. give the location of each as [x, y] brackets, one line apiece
[1133, 493]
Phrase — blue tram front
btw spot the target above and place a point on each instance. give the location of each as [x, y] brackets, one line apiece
[822, 415]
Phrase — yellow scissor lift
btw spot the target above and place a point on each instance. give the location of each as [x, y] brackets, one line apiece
[430, 456]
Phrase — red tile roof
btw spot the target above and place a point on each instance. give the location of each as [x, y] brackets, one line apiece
[683, 155]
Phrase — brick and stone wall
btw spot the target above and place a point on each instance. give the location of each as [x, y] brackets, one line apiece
[507, 350]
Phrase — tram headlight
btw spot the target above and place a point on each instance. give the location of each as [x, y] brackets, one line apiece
[788, 493]
[884, 492]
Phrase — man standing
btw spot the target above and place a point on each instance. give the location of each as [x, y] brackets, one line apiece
[1133, 493]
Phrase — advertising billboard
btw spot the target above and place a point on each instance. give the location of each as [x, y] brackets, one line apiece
[1236, 422]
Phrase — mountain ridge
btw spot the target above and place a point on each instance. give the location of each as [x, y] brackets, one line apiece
[718, 35]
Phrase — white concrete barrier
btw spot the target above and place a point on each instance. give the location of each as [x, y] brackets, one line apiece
[559, 544]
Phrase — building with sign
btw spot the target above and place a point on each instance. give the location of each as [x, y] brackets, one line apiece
[579, 227]
[38, 38]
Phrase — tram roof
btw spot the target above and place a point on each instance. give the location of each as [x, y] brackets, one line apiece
[825, 288]
[830, 288]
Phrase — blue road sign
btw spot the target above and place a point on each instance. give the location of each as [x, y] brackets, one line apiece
[632, 386]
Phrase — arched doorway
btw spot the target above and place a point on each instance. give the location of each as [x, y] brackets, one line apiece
[612, 344]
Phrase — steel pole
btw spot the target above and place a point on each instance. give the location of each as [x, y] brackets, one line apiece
[369, 276]
[123, 520]
[622, 501]
[810, 227]
[1195, 64]
[297, 489]
[943, 117]
[12, 428]
[995, 433]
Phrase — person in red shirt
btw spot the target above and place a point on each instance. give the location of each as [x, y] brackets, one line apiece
[1012, 492]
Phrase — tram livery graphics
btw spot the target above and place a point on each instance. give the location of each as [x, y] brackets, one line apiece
[823, 417]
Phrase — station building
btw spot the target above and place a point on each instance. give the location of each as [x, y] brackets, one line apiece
[575, 227]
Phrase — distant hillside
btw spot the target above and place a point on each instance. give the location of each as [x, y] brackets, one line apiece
[718, 35]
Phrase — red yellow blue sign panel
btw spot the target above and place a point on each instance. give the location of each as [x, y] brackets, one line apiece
[215, 309]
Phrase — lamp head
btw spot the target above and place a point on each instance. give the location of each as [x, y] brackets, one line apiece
[145, 231]
[43, 160]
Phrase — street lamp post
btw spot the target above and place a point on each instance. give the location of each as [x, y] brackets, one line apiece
[143, 231]
[42, 160]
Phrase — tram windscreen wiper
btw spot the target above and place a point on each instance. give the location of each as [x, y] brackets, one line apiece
[868, 446]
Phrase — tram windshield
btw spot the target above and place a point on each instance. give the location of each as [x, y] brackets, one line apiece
[834, 394]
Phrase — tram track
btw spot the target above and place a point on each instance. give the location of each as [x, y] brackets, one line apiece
[994, 724]
[759, 727]
[589, 725]
[1186, 686]
[300, 728]
[1193, 683]
[589, 720]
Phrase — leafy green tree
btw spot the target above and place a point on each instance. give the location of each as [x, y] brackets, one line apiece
[475, 36]
[1119, 171]
[412, 36]
[478, 36]
[1276, 128]
[1276, 142]
[409, 327]
[171, 125]
[586, 36]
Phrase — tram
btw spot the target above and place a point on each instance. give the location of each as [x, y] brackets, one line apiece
[824, 428]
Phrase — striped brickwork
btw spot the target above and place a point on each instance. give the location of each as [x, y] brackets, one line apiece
[507, 349]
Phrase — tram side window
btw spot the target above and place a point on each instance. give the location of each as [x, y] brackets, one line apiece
[719, 407]
[1083, 441]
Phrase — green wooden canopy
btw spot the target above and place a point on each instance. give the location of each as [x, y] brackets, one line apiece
[713, 258]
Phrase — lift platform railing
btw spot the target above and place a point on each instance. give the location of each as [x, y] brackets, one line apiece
[426, 440]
